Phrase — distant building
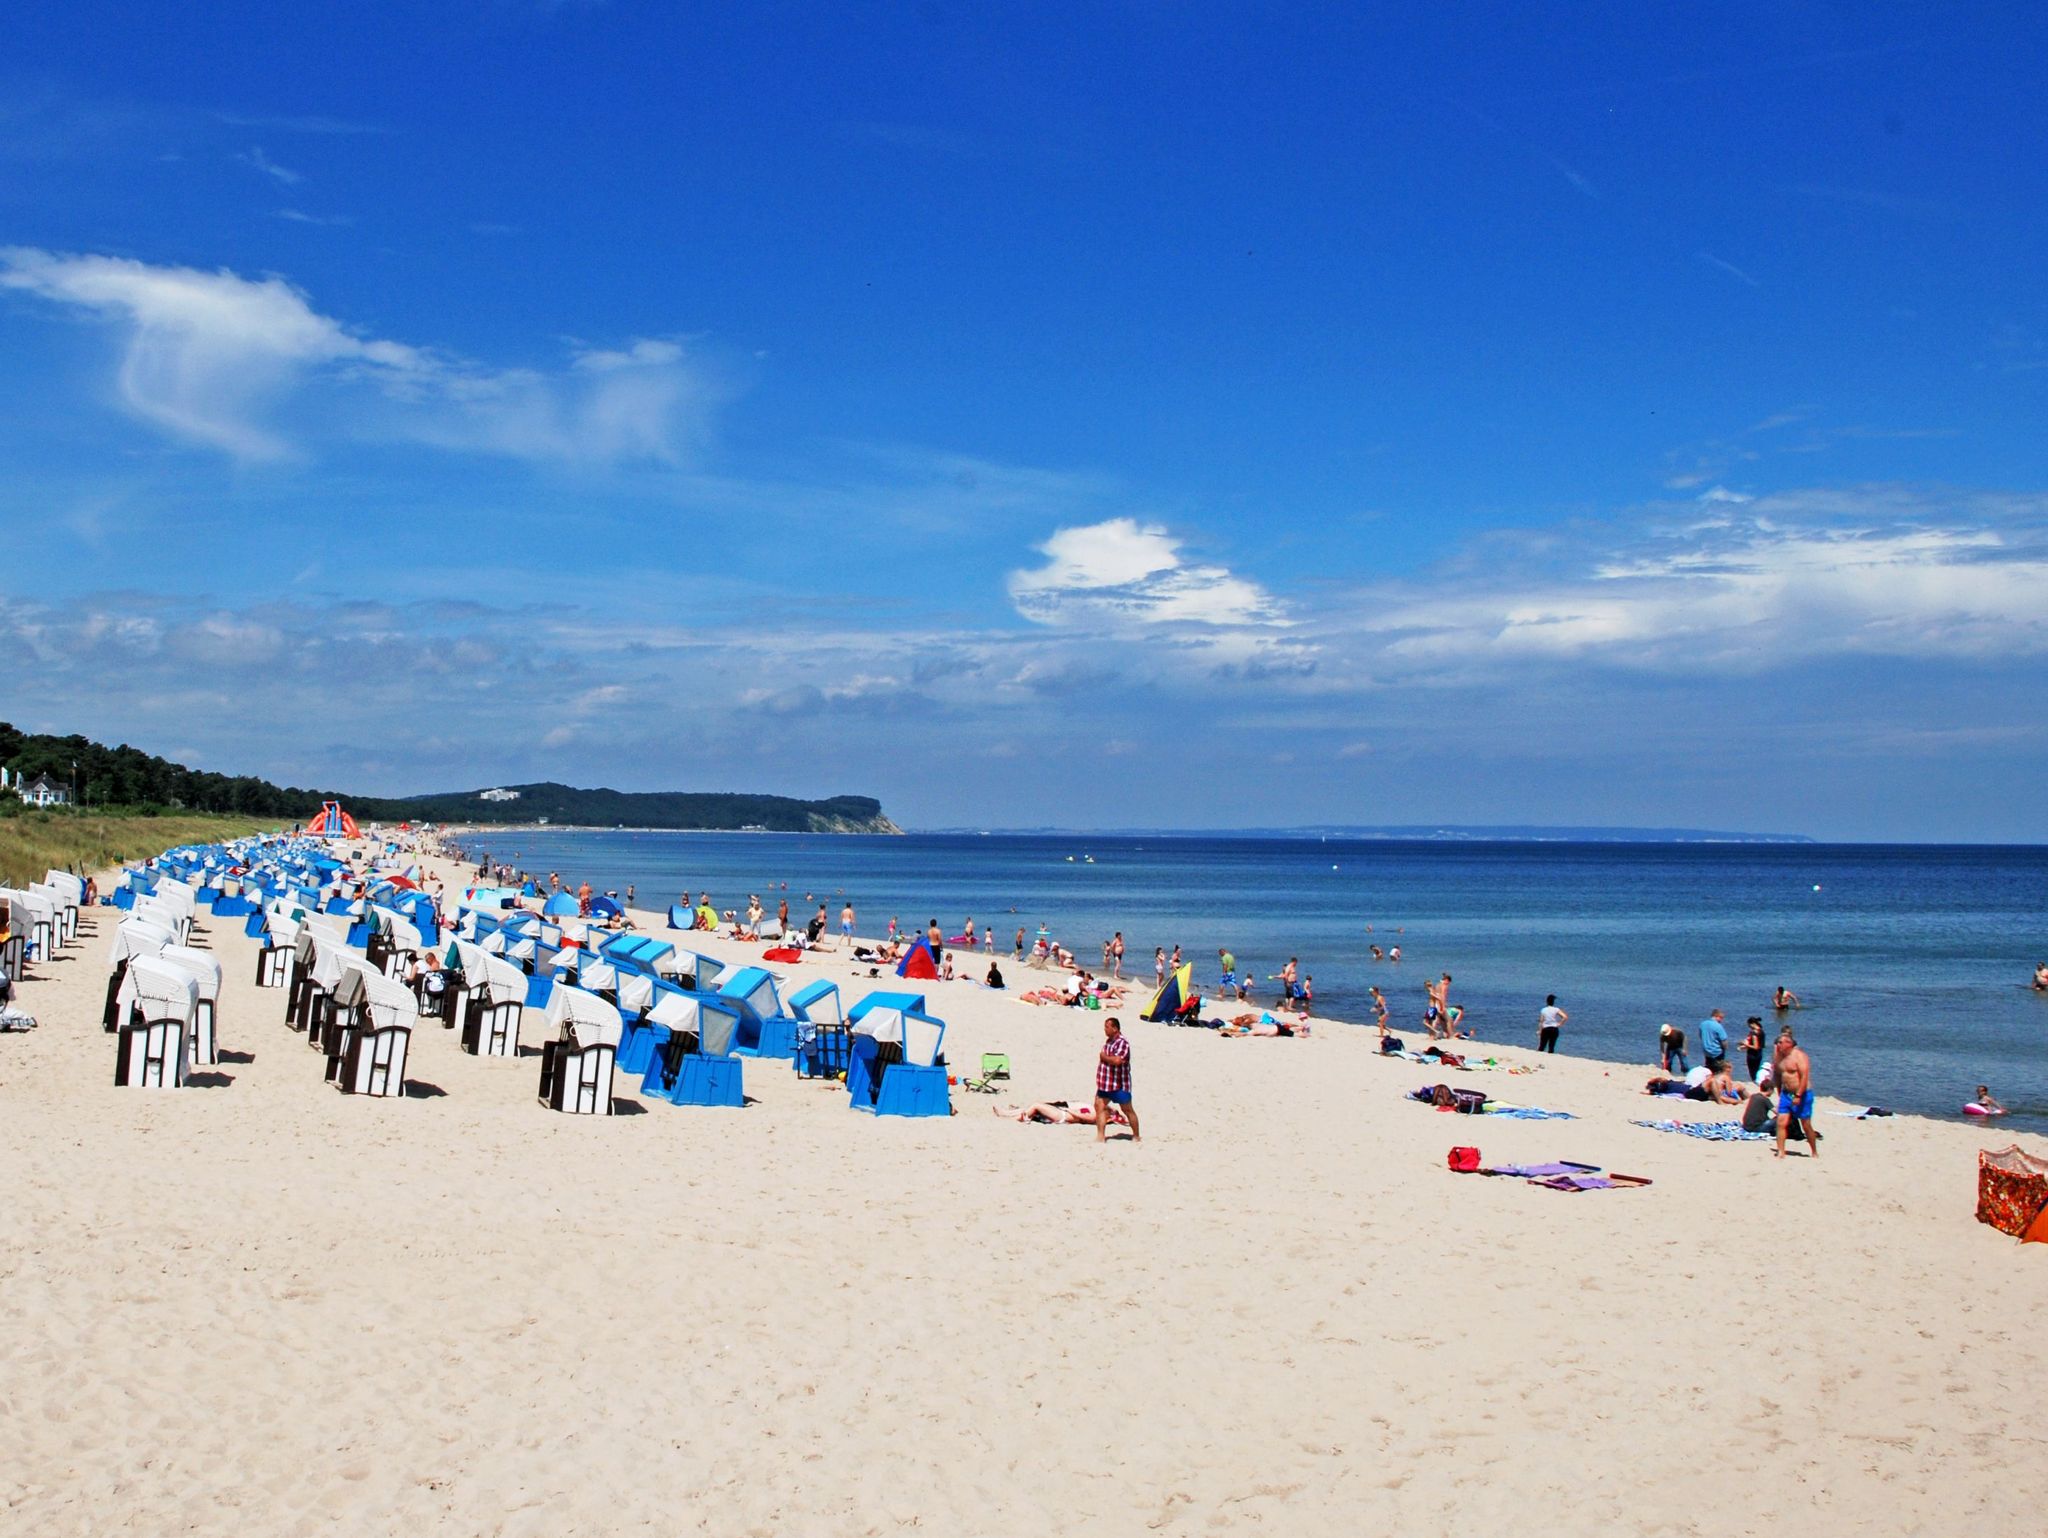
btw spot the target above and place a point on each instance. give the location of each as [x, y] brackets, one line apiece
[43, 791]
[498, 795]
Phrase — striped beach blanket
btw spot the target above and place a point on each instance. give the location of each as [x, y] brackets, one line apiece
[1711, 1131]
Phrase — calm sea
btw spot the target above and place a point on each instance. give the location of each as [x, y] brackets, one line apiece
[1913, 962]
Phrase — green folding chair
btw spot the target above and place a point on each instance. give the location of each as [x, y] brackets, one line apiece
[994, 1066]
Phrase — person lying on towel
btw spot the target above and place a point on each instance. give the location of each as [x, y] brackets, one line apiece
[1058, 1113]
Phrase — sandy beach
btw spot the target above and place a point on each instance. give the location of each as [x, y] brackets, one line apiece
[260, 1306]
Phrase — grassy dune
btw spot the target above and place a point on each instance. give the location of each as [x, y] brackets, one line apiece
[34, 842]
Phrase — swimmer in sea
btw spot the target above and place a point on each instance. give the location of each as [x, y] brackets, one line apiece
[1986, 1100]
[1784, 999]
[2041, 978]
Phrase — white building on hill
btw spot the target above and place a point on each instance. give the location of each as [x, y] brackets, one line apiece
[43, 791]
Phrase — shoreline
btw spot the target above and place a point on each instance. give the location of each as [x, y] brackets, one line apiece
[2026, 1122]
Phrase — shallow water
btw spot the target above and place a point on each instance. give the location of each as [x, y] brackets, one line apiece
[1913, 962]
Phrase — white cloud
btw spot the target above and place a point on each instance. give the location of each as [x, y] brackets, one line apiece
[1787, 578]
[1121, 573]
[256, 159]
[204, 349]
[209, 356]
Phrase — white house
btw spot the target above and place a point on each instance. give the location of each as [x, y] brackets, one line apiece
[43, 791]
[498, 795]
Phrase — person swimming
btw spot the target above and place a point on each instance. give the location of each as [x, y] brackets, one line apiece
[1784, 999]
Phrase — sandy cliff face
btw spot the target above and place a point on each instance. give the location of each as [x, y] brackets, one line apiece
[822, 823]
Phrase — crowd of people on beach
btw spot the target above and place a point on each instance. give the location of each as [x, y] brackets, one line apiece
[1777, 1092]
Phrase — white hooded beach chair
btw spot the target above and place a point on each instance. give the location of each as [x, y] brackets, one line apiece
[72, 889]
[158, 1002]
[373, 1031]
[576, 1064]
[132, 937]
[62, 908]
[159, 911]
[496, 1002]
[35, 920]
[319, 962]
[203, 967]
[274, 959]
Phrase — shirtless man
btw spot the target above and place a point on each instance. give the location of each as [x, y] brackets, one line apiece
[1795, 1094]
[2041, 978]
[1784, 999]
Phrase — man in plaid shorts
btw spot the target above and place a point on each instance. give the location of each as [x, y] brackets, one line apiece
[1113, 1080]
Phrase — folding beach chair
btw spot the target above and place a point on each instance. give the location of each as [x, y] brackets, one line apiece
[994, 1066]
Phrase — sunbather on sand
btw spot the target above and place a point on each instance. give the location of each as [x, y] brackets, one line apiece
[1266, 1028]
[1058, 1113]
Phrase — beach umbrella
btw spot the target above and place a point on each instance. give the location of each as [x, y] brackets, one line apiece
[560, 903]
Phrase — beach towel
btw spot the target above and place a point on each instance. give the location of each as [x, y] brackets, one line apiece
[1528, 1113]
[1540, 1171]
[1612, 1181]
[1709, 1131]
[782, 953]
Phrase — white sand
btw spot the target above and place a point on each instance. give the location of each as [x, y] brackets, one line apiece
[265, 1307]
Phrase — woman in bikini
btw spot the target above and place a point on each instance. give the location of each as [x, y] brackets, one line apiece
[1057, 1113]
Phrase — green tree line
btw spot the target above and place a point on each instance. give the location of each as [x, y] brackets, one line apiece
[100, 776]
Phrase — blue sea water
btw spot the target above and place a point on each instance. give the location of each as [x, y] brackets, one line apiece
[1913, 962]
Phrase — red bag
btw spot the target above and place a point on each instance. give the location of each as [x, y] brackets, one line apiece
[1464, 1161]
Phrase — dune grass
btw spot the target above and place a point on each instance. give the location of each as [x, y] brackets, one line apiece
[88, 842]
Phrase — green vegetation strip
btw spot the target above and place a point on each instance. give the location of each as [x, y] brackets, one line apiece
[88, 842]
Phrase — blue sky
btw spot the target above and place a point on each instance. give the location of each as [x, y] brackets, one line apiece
[1147, 413]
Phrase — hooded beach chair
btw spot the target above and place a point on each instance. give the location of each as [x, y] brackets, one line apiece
[318, 961]
[494, 1004]
[203, 967]
[898, 1067]
[576, 1065]
[157, 1003]
[71, 892]
[695, 1064]
[35, 920]
[370, 1033]
[823, 1040]
[765, 1030]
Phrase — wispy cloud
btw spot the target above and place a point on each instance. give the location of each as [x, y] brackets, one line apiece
[211, 357]
[1871, 571]
[1730, 268]
[300, 124]
[1124, 578]
[323, 221]
[256, 159]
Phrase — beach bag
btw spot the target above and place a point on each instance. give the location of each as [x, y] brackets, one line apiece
[1464, 1161]
[1391, 1045]
[1468, 1102]
[2012, 1193]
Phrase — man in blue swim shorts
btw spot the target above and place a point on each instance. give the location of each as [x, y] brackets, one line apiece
[1795, 1094]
